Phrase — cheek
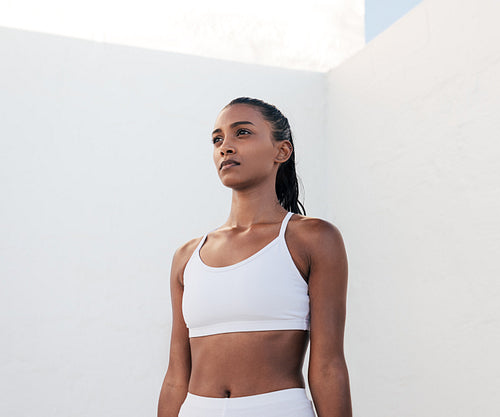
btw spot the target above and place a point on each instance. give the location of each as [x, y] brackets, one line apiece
[264, 155]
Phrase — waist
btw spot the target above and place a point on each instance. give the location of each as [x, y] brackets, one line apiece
[285, 395]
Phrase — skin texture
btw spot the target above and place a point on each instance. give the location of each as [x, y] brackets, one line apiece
[247, 363]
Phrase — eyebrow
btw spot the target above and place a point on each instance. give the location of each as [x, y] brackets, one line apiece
[234, 125]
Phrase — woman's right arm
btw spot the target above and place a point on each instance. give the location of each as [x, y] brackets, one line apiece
[175, 385]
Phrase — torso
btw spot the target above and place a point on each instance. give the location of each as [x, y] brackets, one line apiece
[248, 363]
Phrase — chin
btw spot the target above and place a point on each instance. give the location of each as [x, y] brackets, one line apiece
[232, 183]
[229, 183]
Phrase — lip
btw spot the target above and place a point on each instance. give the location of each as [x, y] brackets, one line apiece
[228, 166]
[228, 163]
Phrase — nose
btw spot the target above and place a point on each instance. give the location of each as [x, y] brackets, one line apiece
[226, 148]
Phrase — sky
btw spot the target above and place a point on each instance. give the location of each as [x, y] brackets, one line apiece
[380, 14]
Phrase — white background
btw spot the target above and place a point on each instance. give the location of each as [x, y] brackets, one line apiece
[106, 168]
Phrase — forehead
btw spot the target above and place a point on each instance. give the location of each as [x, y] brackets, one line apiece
[240, 112]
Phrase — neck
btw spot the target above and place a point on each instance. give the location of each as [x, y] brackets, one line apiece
[256, 205]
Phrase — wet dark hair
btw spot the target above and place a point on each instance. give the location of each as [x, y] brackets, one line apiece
[287, 187]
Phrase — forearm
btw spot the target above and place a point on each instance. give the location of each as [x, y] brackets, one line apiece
[330, 390]
[172, 396]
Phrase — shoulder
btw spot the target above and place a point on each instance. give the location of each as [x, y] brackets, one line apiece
[319, 238]
[181, 257]
[186, 249]
[316, 232]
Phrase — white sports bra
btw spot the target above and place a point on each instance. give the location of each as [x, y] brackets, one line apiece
[262, 292]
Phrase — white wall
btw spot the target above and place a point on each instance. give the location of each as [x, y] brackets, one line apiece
[315, 35]
[413, 167]
[106, 167]
[96, 196]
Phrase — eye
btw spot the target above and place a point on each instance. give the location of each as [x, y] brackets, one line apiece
[242, 130]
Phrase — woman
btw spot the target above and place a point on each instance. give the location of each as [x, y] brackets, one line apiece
[247, 296]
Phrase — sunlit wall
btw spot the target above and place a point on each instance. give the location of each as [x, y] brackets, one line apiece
[315, 35]
[414, 184]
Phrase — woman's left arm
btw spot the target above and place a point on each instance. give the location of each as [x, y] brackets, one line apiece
[327, 375]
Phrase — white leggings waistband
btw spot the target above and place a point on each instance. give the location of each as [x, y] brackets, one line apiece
[268, 404]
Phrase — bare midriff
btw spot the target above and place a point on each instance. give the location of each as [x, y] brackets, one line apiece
[247, 363]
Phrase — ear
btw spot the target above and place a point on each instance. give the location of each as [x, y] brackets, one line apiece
[285, 149]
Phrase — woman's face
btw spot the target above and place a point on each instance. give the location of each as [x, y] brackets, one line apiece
[243, 135]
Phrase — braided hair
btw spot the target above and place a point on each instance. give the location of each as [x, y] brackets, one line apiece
[287, 188]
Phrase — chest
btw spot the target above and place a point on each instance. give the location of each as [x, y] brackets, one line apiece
[225, 251]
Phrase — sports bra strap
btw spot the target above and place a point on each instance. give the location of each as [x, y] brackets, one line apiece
[202, 241]
[284, 223]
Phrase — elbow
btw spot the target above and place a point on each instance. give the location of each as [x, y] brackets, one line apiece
[328, 371]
